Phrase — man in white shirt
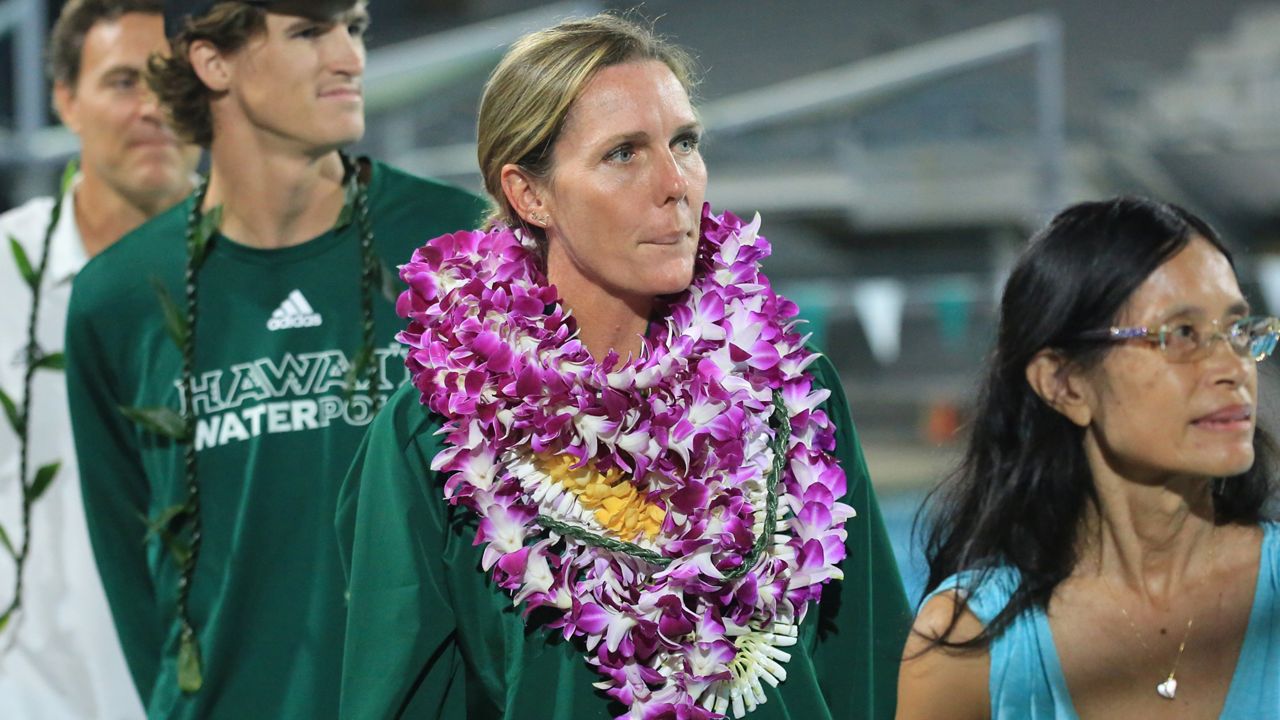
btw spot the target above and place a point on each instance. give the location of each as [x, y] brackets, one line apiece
[59, 656]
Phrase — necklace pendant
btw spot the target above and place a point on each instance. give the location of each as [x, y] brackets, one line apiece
[1168, 688]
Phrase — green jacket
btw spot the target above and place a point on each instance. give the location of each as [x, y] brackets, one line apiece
[430, 636]
[275, 335]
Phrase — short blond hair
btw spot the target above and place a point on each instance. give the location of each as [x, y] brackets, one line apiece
[530, 92]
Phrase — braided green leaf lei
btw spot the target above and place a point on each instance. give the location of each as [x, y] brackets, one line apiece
[179, 526]
[19, 416]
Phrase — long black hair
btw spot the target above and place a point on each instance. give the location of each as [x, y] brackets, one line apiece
[1024, 485]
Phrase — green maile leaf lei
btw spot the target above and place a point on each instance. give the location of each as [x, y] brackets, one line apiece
[179, 526]
[17, 415]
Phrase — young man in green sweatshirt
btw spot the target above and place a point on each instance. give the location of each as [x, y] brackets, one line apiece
[224, 359]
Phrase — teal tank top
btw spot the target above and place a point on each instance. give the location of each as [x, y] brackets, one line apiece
[1026, 677]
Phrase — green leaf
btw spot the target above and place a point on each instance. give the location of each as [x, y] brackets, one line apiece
[4, 619]
[189, 675]
[68, 175]
[8, 544]
[349, 201]
[44, 476]
[174, 320]
[170, 519]
[23, 262]
[159, 420]
[15, 417]
[390, 282]
[179, 549]
[167, 525]
[208, 226]
[52, 361]
[357, 371]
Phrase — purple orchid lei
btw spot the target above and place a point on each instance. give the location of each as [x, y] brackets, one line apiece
[494, 352]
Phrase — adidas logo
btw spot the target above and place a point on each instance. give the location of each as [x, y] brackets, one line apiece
[294, 312]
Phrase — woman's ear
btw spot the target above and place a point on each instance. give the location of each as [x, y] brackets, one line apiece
[210, 65]
[524, 192]
[1062, 386]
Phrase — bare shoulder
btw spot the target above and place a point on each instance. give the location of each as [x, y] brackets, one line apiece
[939, 682]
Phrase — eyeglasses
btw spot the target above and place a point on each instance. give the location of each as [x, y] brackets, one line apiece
[1184, 342]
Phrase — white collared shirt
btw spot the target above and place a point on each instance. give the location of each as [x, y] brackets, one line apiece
[60, 658]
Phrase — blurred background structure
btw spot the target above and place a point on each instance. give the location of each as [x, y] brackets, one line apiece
[899, 151]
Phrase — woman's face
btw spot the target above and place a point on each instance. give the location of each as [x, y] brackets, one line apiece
[1153, 419]
[624, 197]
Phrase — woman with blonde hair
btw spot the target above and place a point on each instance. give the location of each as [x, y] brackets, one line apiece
[614, 426]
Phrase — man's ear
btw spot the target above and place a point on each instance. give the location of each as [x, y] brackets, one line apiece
[210, 65]
[1062, 386]
[525, 195]
[64, 102]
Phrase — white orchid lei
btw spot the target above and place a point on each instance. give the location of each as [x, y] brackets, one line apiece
[635, 498]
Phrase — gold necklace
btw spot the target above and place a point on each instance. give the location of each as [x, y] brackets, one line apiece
[1168, 688]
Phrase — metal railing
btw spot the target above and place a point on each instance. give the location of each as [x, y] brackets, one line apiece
[846, 88]
[394, 74]
[25, 21]
[404, 73]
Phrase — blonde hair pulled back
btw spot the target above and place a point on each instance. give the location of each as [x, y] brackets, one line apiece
[529, 94]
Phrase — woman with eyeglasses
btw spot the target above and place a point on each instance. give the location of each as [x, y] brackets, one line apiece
[1103, 549]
